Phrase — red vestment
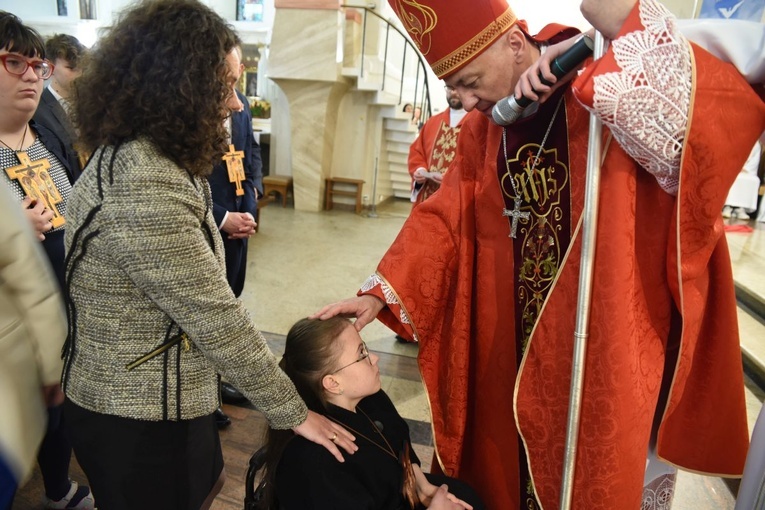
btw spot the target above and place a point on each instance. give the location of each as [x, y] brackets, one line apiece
[434, 150]
[662, 274]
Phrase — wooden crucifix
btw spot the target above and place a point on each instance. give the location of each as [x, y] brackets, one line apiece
[233, 159]
[37, 184]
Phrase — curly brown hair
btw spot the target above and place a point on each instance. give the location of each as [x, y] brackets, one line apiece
[159, 73]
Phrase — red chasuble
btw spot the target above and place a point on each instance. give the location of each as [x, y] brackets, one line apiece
[434, 150]
[662, 276]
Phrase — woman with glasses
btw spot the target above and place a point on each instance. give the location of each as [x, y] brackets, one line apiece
[34, 167]
[337, 376]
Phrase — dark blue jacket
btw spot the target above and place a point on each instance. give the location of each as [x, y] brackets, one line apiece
[51, 114]
[223, 191]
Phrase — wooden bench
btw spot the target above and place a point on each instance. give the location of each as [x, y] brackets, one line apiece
[330, 190]
[281, 184]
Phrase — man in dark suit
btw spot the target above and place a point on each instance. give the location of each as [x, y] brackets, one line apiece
[66, 53]
[235, 203]
[234, 213]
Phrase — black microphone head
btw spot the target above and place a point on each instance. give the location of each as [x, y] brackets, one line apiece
[506, 111]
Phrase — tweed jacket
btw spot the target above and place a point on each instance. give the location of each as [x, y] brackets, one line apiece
[32, 331]
[144, 260]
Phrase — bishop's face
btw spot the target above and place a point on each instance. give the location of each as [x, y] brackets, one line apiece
[490, 76]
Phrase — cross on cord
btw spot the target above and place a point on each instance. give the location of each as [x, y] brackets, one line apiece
[37, 183]
[515, 214]
[233, 159]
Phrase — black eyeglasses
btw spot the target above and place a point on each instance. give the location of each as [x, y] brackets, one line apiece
[364, 355]
[18, 65]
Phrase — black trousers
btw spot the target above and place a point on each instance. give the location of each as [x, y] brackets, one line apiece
[236, 262]
[151, 465]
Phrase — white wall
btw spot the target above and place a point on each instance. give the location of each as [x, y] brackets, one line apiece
[43, 15]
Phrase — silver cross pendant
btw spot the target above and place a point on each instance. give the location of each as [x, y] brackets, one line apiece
[515, 214]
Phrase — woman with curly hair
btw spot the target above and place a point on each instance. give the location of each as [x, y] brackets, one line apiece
[152, 317]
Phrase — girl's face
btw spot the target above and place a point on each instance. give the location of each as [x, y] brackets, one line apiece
[357, 372]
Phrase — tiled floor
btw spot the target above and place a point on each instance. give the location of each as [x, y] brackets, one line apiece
[300, 261]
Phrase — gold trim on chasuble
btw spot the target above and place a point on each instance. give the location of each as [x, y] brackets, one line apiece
[541, 188]
[444, 148]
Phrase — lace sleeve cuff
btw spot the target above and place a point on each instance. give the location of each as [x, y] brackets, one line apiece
[377, 286]
[641, 89]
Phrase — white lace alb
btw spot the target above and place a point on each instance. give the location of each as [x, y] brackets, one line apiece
[646, 104]
[390, 296]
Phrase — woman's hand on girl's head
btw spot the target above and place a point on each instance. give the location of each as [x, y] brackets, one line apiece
[330, 435]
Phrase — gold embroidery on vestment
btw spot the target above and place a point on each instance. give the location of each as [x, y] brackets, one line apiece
[444, 148]
[541, 188]
[419, 20]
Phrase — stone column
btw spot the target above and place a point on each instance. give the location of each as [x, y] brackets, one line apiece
[305, 61]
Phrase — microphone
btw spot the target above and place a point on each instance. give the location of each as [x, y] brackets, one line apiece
[509, 109]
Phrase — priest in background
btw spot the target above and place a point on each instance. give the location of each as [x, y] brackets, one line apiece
[434, 149]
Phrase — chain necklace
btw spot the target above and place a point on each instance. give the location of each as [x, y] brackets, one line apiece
[516, 213]
[409, 487]
[389, 450]
[23, 137]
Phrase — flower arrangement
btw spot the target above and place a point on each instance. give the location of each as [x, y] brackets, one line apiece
[260, 108]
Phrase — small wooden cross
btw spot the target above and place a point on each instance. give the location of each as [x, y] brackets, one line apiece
[233, 159]
[515, 214]
[37, 184]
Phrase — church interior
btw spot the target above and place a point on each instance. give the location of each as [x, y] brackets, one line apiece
[323, 115]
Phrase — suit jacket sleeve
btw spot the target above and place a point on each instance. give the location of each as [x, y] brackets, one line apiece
[253, 164]
[219, 212]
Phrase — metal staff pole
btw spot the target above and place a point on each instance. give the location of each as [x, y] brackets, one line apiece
[589, 234]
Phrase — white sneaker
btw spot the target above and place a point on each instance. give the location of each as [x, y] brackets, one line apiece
[726, 211]
[740, 214]
[86, 503]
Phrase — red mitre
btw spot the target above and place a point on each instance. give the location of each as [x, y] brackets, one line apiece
[450, 34]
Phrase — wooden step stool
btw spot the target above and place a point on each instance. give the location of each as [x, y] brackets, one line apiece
[281, 184]
[330, 190]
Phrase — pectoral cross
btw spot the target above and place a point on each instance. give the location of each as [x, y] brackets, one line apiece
[515, 214]
[233, 159]
[37, 184]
